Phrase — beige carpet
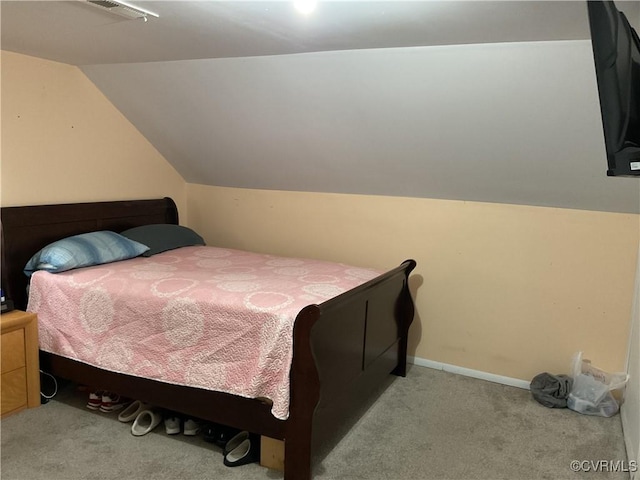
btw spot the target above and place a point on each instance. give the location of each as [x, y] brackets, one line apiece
[429, 425]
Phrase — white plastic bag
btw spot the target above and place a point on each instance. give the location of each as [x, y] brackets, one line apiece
[593, 389]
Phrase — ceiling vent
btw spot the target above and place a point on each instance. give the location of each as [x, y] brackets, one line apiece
[123, 9]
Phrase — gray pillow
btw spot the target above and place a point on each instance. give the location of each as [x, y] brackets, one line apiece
[162, 237]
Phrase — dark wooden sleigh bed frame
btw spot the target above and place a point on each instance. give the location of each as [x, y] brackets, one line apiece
[343, 353]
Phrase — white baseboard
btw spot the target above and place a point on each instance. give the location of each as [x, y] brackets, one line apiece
[468, 372]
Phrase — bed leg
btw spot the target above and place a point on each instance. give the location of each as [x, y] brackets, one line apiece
[305, 393]
[401, 368]
[297, 459]
[405, 314]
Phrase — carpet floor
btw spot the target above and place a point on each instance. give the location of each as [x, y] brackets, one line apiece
[429, 425]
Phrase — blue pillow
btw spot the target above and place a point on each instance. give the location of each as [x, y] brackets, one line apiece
[84, 250]
[161, 237]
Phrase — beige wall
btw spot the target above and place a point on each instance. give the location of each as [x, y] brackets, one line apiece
[63, 141]
[505, 289]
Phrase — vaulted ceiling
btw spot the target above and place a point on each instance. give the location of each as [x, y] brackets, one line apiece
[74, 32]
[471, 100]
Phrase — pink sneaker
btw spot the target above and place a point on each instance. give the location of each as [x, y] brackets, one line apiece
[112, 402]
[95, 400]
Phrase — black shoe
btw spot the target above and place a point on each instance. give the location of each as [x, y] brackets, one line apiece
[246, 451]
[219, 434]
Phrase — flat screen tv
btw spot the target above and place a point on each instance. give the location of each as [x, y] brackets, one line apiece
[616, 53]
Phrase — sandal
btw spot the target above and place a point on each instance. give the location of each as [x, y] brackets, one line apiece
[145, 422]
[132, 411]
[247, 451]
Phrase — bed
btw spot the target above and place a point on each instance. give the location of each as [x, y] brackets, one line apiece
[345, 349]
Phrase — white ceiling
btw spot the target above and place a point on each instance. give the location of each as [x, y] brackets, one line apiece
[76, 33]
[470, 100]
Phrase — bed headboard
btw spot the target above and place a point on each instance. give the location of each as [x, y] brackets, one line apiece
[25, 230]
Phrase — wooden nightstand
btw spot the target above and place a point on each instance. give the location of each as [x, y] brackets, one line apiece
[20, 379]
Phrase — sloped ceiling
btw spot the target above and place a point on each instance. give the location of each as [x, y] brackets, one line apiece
[482, 101]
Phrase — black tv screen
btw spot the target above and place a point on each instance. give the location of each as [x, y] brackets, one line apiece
[616, 54]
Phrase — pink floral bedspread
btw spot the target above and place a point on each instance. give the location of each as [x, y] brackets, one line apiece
[207, 317]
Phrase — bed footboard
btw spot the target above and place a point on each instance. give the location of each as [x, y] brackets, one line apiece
[344, 352]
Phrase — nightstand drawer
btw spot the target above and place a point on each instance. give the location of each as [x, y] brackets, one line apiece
[20, 378]
[14, 390]
[13, 350]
